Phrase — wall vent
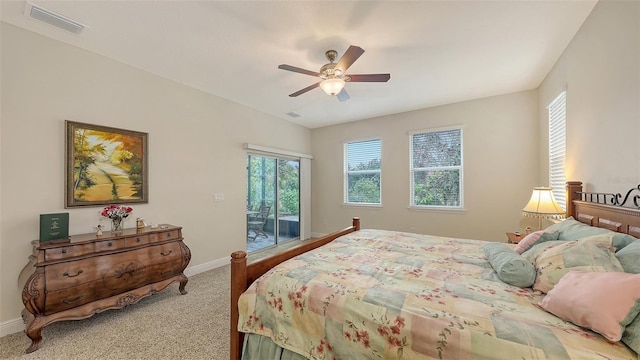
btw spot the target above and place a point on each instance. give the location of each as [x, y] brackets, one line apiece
[39, 13]
[293, 114]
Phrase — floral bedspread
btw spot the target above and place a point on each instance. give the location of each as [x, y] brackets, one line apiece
[377, 294]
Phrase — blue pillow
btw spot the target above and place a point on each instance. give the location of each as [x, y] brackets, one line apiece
[511, 268]
[571, 229]
[629, 257]
[620, 241]
[631, 335]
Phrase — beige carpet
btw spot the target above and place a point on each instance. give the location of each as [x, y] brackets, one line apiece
[163, 326]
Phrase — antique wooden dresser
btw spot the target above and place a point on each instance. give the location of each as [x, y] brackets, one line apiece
[86, 274]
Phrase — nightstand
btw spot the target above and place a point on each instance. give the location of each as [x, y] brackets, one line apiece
[514, 239]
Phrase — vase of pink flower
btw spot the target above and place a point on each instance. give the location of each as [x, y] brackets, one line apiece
[117, 214]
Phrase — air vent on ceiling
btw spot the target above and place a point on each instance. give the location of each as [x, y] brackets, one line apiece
[39, 13]
[293, 114]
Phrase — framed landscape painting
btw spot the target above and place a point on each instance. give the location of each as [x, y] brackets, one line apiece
[105, 165]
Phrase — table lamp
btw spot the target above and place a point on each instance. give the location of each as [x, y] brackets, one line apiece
[543, 206]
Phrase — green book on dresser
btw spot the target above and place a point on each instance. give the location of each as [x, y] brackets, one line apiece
[54, 226]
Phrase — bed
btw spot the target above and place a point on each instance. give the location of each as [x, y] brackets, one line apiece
[367, 294]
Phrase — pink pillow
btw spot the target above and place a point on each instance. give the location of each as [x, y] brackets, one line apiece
[605, 302]
[528, 241]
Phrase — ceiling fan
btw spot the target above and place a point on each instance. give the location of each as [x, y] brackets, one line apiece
[334, 75]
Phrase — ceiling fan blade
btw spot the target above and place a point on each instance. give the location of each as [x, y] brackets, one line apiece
[343, 95]
[308, 88]
[369, 77]
[350, 56]
[298, 70]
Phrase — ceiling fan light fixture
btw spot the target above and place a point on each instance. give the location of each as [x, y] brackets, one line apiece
[333, 75]
[332, 86]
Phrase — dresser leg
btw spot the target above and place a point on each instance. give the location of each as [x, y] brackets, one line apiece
[35, 334]
[183, 283]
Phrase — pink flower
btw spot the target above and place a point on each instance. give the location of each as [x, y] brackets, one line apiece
[116, 211]
[382, 330]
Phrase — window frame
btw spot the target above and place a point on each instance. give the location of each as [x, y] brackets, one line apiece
[412, 170]
[557, 137]
[347, 172]
[305, 180]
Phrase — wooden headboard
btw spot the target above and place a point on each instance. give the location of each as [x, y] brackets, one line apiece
[606, 210]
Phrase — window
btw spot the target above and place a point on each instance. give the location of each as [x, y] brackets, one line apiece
[557, 148]
[436, 168]
[282, 181]
[362, 168]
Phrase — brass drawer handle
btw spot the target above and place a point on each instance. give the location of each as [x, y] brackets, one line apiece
[67, 274]
[166, 254]
[168, 234]
[64, 251]
[69, 302]
[137, 239]
[109, 244]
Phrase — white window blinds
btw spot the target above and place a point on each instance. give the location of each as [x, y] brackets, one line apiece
[436, 168]
[362, 170]
[557, 147]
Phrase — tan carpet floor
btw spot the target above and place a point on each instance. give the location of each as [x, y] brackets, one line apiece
[166, 325]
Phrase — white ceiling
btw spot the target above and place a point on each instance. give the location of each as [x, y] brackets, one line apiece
[437, 52]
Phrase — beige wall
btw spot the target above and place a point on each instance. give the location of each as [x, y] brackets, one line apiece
[500, 157]
[195, 148]
[601, 71]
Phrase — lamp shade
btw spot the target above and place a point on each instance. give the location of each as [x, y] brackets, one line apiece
[332, 86]
[543, 205]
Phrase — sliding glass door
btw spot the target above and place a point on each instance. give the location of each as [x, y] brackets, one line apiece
[273, 201]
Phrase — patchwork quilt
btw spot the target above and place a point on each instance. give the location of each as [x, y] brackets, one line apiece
[376, 294]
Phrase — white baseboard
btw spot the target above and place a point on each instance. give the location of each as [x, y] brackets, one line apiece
[210, 265]
[317, 234]
[11, 327]
[17, 325]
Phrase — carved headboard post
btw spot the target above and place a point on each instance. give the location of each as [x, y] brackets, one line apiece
[573, 190]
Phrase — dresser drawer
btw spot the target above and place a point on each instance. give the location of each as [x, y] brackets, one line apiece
[133, 275]
[64, 299]
[136, 240]
[165, 252]
[166, 235]
[107, 245]
[66, 252]
[56, 301]
[73, 273]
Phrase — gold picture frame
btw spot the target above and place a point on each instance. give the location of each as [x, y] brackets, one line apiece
[105, 165]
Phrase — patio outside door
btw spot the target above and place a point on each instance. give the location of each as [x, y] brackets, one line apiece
[273, 201]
